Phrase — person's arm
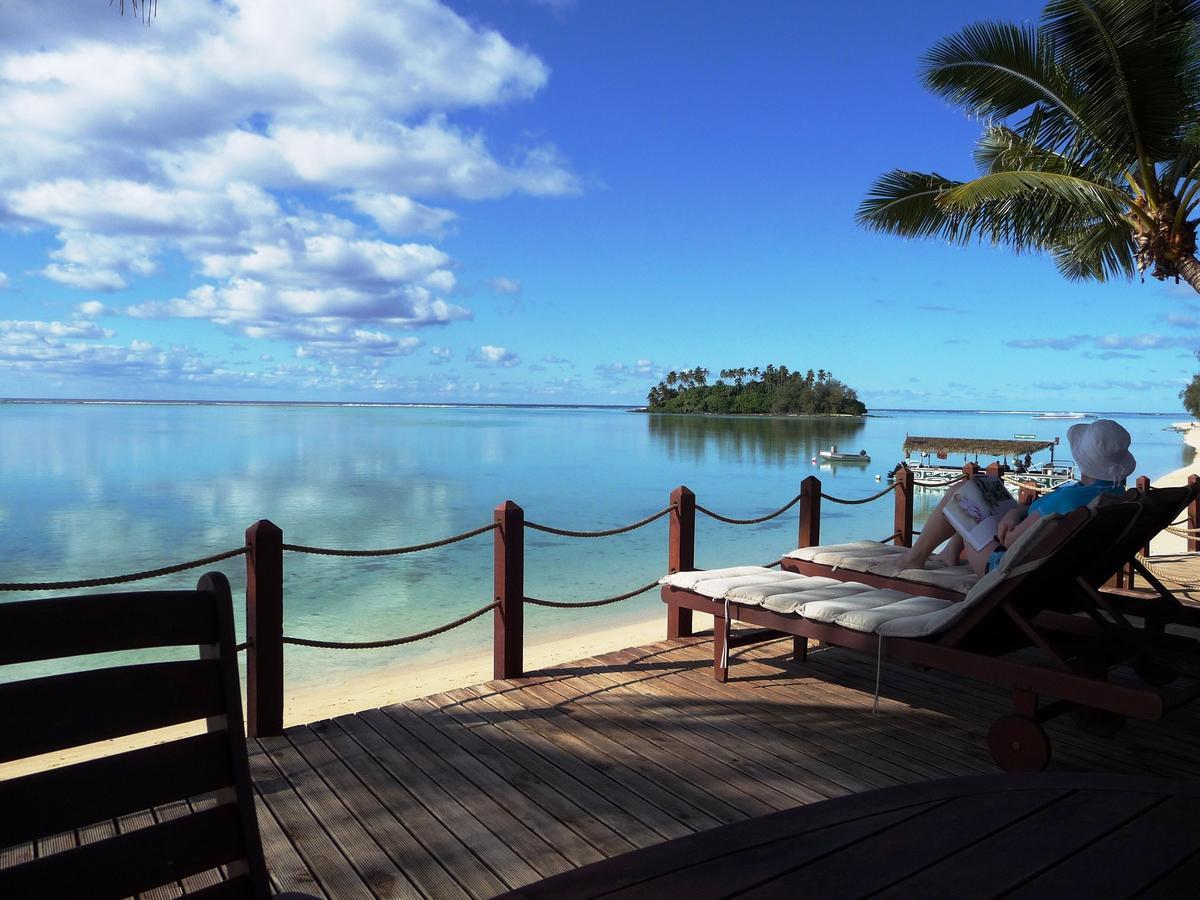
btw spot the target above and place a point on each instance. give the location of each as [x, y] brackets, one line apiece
[1008, 536]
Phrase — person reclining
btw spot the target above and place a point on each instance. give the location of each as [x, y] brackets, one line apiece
[1101, 450]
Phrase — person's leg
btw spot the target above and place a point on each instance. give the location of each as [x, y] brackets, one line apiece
[978, 559]
[935, 530]
[952, 553]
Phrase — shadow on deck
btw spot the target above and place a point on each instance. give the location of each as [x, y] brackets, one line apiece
[473, 791]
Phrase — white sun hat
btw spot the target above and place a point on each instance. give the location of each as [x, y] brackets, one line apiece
[1101, 450]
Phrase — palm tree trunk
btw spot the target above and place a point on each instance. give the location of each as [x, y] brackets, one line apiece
[1189, 268]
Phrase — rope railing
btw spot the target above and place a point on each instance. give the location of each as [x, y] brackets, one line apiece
[731, 521]
[1182, 532]
[887, 490]
[608, 532]
[121, 579]
[583, 604]
[390, 642]
[890, 537]
[1164, 576]
[392, 551]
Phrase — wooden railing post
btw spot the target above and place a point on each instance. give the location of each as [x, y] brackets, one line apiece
[810, 512]
[903, 526]
[681, 555]
[993, 469]
[1193, 540]
[508, 569]
[971, 469]
[264, 629]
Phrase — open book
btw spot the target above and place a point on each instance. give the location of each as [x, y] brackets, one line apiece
[976, 510]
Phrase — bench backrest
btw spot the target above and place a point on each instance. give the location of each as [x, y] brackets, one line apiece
[217, 827]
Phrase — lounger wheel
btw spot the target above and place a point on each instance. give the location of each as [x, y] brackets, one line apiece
[1100, 722]
[1019, 744]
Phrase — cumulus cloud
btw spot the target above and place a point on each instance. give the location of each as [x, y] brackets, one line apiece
[247, 166]
[400, 215]
[440, 355]
[553, 360]
[502, 285]
[490, 355]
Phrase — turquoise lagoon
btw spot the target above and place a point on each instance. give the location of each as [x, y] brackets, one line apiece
[101, 489]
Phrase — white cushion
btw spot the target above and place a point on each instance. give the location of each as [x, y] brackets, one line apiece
[689, 580]
[829, 610]
[793, 602]
[871, 619]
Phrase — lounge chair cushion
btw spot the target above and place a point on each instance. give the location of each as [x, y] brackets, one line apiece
[938, 620]
[872, 620]
[812, 596]
[858, 556]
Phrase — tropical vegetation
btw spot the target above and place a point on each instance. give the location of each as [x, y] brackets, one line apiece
[774, 390]
[1091, 140]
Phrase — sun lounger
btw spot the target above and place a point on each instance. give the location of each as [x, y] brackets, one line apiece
[1036, 601]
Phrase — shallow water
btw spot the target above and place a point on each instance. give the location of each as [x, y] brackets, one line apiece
[95, 490]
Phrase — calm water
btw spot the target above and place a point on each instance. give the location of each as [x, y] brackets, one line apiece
[103, 489]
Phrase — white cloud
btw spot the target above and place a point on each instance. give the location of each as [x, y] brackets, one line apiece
[440, 355]
[400, 215]
[3, 281]
[640, 369]
[491, 355]
[502, 285]
[195, 138]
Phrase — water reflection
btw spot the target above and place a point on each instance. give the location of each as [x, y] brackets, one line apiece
[784, 441]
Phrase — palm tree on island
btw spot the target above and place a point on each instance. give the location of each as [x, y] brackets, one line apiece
[1091, 141]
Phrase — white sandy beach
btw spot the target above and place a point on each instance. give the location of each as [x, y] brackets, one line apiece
[1173, 543]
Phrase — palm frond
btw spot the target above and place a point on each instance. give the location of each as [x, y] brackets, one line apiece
[1126, 56]
[1098, 251]
[906, 203]
[1090, 198]
[996, 69]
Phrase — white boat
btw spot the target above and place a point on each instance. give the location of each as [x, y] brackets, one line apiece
[833, 455]
[1063, 415]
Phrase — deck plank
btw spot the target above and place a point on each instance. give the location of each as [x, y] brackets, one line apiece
[493, 786]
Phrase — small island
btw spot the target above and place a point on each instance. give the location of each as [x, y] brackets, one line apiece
[775, 391]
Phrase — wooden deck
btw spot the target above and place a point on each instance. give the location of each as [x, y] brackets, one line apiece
[477, 790]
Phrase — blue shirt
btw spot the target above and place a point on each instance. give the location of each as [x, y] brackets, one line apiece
[1071, 496]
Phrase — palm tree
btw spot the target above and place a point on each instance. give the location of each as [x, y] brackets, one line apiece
[1091, 142]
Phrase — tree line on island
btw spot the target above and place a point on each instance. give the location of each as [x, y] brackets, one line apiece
[774, 390]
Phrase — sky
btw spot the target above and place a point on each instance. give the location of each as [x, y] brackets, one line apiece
[537, 201]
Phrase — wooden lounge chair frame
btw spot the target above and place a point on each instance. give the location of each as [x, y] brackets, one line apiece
[1052, 610]
[47, 714]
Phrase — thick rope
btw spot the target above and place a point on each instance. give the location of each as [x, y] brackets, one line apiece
[729, 521]
[582, 604]
[1182, 532]
[887, 490]
[890, 537]
[392, 642]
[1163, 576]
[238, 648]
[391, 551]
[565, 532]
[121, 579]
[778, 562]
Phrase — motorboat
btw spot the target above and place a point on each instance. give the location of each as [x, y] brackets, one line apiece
[834, 455]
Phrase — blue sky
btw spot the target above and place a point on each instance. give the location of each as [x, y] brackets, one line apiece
[517, 201]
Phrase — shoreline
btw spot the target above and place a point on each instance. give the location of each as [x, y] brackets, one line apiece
[1167, 543]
